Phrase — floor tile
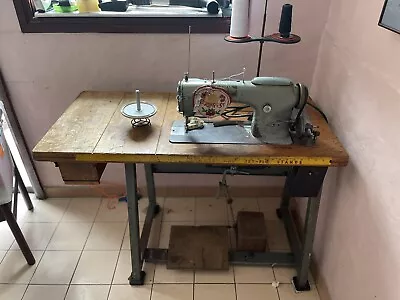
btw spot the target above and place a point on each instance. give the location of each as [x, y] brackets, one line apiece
[276, 236]
[127, 292]
[37, 235]
[214, 276]
[95, 267]
[56, 267]
[7, 237]
[82, 210]
[153, 239]
[106, 236]
[124, 269]
[253, 274]
[285, 275]
[50, 210]
[12, 291]
[286, 292]
[2, 254]
[172, 292]
[87, 292]
[46, 292]
[166, 232]
[14, 268]
[268, 206]
[70, 236]
[256, 292]
[178, 210]
[112, 210]
[214, 292]
[242, 204]
[211, 209]
[164, 275]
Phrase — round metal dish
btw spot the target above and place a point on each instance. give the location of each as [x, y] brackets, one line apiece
[140, 117]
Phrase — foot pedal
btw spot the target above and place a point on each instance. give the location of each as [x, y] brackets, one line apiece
[198, 248]
[251, 232]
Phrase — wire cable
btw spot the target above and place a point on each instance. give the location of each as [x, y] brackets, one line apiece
[320, 111]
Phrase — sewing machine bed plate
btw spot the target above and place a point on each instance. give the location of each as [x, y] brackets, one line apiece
[232, 134]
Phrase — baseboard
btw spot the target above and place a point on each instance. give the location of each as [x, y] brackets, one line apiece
[114, 191]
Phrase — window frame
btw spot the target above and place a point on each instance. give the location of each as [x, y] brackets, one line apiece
[25, 10]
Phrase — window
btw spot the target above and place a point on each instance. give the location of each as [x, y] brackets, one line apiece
[124, 16]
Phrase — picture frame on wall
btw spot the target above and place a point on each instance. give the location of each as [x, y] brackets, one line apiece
[390, 16]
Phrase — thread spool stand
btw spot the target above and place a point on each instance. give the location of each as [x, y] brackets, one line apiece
[284, 36]
[139, 112]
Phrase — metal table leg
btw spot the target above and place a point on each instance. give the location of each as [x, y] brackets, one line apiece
[300, 281]
[151, 189]
[137, 276]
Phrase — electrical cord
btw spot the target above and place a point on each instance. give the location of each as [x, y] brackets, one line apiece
[319, 110]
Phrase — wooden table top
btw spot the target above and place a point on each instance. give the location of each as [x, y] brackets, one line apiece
[92, 129]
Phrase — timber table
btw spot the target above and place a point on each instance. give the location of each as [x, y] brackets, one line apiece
[92, 133]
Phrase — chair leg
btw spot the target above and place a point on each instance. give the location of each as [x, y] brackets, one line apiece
[5, 209]
[23, 189]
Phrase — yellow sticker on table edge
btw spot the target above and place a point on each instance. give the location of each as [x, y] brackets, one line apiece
[1, 151]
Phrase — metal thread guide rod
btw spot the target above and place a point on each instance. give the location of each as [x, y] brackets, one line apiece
[260, 50]
[138, 100]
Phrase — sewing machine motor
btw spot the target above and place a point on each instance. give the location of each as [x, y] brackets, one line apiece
[278, 104]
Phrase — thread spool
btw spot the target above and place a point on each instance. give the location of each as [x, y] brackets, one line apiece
[240, 19]
[285, 25]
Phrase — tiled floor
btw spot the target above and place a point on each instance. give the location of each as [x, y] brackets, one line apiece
[82, 252]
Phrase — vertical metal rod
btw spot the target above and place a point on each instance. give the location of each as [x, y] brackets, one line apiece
[151, 190]
[190, 32]
[285, 201]
[15, 196]
[138, 100]
[262, 35]
[22, 188]
[309, 233]
[133, 215]
[22, 147]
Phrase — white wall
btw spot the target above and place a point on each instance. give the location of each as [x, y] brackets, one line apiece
[357, 83]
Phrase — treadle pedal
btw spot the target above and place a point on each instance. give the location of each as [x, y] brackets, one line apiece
[198, 248]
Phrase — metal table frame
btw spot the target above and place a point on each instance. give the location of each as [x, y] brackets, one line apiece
[301, 181]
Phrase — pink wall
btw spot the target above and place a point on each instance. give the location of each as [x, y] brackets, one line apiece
[357, 83]
[45, 72]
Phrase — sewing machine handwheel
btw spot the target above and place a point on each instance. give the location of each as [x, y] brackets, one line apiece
[279, 213]
[156, 210]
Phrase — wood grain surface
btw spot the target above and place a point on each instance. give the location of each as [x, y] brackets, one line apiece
[93, 130]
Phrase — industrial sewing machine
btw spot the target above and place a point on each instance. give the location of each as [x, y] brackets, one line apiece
[278, 111]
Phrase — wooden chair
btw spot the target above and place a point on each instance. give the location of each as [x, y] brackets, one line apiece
[8, 168]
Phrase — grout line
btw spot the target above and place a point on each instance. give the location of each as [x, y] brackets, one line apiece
[26, 289]
[116, 264]
[83, 248]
